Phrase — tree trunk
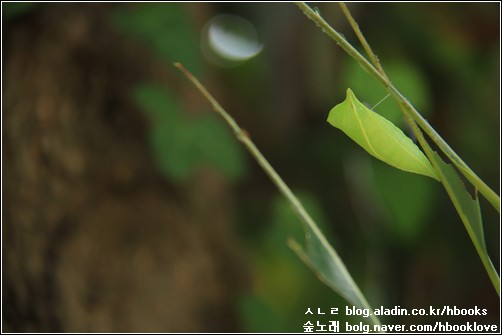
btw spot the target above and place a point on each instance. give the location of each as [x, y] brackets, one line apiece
[94, 239]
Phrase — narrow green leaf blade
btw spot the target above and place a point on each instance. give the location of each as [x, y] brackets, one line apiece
[470, 213]
[324, 261]
[379, 137]
[467, 207]
[329, 268]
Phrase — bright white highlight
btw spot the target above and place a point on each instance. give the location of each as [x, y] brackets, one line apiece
[232, 38]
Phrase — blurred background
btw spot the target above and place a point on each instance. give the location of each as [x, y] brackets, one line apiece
[129, 206]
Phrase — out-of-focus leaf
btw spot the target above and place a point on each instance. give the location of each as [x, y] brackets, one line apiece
[181, 145]
[160, 107]
[170, 143]
[216, 145]
[468, 209]
[379, 137]
[166, 27]
[409, 207]
[173, 151]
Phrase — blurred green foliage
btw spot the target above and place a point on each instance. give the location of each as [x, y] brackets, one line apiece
[182, 144]
[166, 28]
[398, 233]
[409, 200]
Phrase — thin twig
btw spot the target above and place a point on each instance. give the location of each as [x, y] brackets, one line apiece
[255, 152]
[251, 147]
[374, 59]
[243, 137]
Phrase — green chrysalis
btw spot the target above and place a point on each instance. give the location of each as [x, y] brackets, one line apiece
[379, 137]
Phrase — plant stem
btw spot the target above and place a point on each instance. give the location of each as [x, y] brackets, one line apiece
[243, 137]
[484, 189]
[255, 152]
[364, 43]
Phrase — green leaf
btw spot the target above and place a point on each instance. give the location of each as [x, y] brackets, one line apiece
[468, 209]
[324, 261]
[379, 137]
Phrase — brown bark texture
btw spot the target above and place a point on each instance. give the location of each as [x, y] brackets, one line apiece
[94, 238]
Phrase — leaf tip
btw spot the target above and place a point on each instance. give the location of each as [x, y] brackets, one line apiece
[350, 94]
